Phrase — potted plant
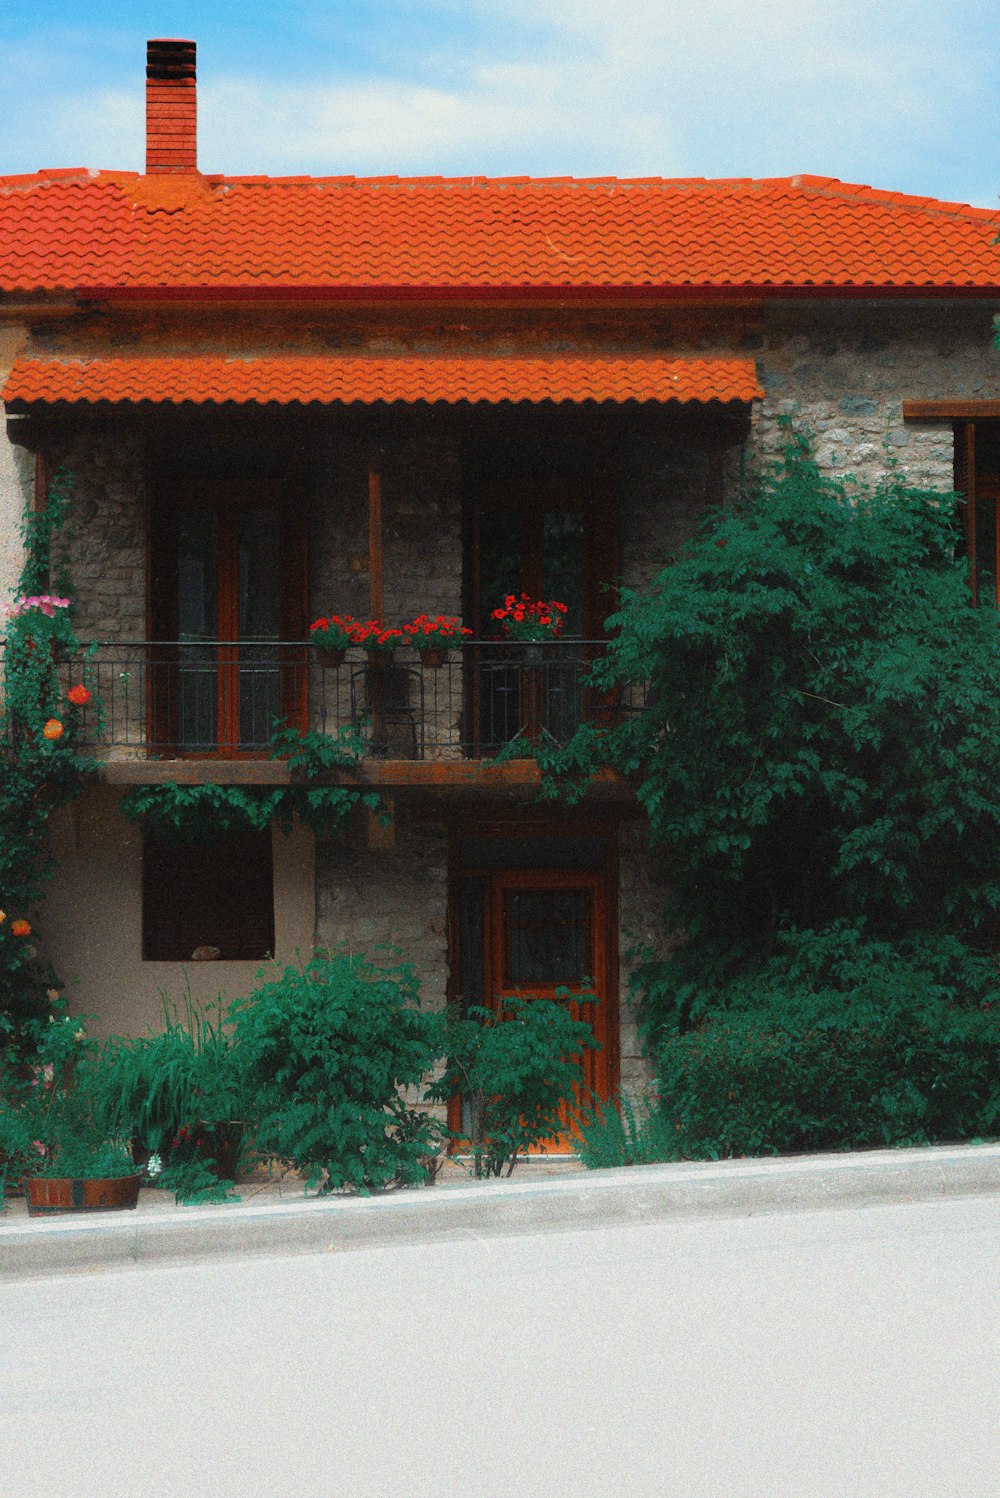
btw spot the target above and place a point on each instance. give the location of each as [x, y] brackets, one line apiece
[55, 1128]
[180, 1094]
[83, 1175]
[432, 638]
[333, 636]
[530, 620]
[378, 639]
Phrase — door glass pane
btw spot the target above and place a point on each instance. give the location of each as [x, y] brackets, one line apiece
[546, 936]
[532, 852]
[258, 612]
[501, 563]
[197, 619]
[562, 565]
[562, 578]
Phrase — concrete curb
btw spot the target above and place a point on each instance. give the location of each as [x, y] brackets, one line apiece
[645, 1194]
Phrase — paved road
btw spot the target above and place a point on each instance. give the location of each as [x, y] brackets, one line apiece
[818, 1353]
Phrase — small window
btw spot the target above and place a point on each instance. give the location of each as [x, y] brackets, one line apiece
[204, 900]
[977, 477]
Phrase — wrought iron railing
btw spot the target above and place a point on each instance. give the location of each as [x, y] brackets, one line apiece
[214, 697]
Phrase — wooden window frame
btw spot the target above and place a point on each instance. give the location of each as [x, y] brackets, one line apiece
[226, 498]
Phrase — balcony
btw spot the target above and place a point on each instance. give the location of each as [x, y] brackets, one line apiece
[217, 700]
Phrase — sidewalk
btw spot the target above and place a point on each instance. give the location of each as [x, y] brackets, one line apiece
[275, 1218]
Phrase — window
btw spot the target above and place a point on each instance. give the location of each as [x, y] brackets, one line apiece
[213, 899]
[227, 603]
[977, 476]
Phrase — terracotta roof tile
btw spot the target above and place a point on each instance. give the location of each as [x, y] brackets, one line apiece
[314, 378]
[80, 231]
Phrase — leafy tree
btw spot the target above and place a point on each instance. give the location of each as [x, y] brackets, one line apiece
[819, 740]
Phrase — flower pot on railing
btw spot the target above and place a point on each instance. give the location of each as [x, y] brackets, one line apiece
[530, 622]
[331, 657]
[432, 638]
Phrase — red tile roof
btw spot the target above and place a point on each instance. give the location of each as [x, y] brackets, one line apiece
[73, 231]
[316, 378]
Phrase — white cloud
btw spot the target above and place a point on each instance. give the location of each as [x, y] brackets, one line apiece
[897, 94]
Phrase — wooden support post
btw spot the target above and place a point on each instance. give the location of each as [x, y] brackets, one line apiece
[970, 504]
[376, 600]
[376, 575]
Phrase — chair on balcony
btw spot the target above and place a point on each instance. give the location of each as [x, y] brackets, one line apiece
[381, 698]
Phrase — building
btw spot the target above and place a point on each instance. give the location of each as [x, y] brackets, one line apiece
[282, 398]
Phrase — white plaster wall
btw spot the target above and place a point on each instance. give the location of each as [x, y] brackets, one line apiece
[91, 922]
[17, 471]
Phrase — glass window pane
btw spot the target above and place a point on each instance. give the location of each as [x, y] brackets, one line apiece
[258, 597]
[197, 621]
[546, 936]
[197, 565]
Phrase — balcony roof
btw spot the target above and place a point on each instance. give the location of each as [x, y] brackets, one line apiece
[367, 380]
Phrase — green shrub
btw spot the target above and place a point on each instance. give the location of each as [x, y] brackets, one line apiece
[329, 1049]
[622, 1133]
[818, 741]
[514, 1068]
[187, 1076]
[839, 1042]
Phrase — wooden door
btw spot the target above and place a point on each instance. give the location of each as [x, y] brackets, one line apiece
[548, 933]
[551, 541]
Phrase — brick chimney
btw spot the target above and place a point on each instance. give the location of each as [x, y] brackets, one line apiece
[171, 106]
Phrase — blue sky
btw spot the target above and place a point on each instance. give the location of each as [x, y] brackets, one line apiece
[902, 94]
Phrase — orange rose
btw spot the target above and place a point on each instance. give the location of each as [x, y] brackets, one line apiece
[53, 729]
[20, 927]
[78, 695]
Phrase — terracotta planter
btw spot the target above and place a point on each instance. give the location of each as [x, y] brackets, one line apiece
[223, 1142]
[433, 659]
[51, 1194]
[330, 657]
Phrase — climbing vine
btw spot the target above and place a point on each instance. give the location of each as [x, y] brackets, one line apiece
[44, 767]
[196, 812]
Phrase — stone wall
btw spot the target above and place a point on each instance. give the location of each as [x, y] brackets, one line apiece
[389, 902]
[841, 373]
[105, 535]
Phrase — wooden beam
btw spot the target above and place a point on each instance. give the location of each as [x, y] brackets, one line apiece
[951, 410]
[376, 576]
[465, 777]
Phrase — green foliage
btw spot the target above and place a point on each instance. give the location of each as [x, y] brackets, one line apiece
[204, 811]
[195, 1183]
[330, 1048]
[621, 1133]
[514, 1068]
[53, 1119]
[40, 773]
[187, 1075]
[840, 1041]
[819, 741]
